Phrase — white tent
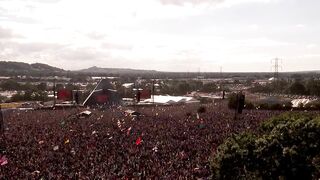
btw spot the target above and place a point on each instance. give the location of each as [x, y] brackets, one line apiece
[158, 99]
[297, 102]
[128, 85]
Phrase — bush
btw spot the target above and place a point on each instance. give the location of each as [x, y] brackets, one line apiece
[30, 96]
[263, 106]
[312, 106]
[249, 105]
[235, 158]
[288, 148]
[276, 106]
[287, 105]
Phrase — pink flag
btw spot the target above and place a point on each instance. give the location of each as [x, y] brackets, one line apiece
[3, 161]
[128, 131]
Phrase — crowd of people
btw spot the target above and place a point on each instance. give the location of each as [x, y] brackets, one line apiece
[173, 142]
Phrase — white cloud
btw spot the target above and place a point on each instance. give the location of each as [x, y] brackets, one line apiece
[254, 27]
[157, 34]
[312, 46]
[300, 26]
[193, 2]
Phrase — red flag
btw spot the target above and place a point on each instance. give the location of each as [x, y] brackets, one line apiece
[138, 141]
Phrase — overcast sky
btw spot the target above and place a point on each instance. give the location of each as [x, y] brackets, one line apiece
[166, 35]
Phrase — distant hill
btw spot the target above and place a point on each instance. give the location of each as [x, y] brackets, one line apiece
[96, 69]
[304, 72]
[20, 68]
[10, 68]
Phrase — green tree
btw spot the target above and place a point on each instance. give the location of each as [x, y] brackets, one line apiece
[288, 148]
[59, 86]
[313, 87]
[210, 87]
[3, 99]
[183, 88]
[17, 97]
[42, 86]
[297, 88]
[10, 85]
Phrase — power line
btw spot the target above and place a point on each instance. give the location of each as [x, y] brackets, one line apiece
[275, 67]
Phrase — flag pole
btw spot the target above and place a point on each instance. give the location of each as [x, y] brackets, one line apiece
[54, 92]
[153, 91]
[1, 122]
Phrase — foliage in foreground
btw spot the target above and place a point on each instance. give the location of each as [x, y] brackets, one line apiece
[288, 148]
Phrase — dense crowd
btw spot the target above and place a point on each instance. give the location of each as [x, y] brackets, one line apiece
[164, 142]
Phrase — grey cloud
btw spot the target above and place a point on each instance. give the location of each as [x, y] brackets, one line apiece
[116, 46]
[61, 55]
[194, 2]
[6, 16]
[81, 54]
[45, 1]
[39, 1]
[6, 33]
[187, 52]
[15, 49]
[60, 51]
[27, 48]
[96, 36]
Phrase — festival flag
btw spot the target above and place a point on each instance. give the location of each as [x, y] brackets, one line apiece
[62, 123]
[138, 141]
[128, 131]
[3, 161]
[55, 148]
[155, 149]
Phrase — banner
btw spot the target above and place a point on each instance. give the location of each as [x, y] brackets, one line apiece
[145, 94]
[64, 94]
